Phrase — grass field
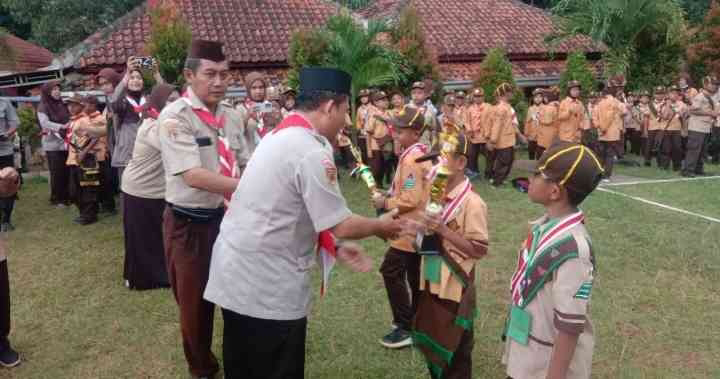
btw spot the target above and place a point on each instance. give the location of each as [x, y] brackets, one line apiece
[655, 305]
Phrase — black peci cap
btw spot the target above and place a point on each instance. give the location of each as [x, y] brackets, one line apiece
[324, 79]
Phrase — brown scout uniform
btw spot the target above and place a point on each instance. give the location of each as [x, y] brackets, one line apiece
[84, 128]
[548, 128]
[477, 129]
[409, 194]
[571, 116]
[609, 122]
[502, 139]
[671, 144]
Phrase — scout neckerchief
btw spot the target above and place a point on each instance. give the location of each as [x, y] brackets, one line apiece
[137, 108]
[152, 113]
[68, 137]
[539, 238]
[250, 105]
[226, 158]
[415, 147]
[452, 207]
[326, 240]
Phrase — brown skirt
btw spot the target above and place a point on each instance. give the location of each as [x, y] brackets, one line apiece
[144, 253]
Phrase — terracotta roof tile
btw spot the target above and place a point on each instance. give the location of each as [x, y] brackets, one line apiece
[525, 69]
[254, 31]
[27, 57]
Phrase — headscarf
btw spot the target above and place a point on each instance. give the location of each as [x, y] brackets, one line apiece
[158, 99]
[110, 75]
[55, 109]
[125, 112]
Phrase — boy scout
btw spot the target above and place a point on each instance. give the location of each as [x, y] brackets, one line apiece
[476, 130]
[656, 123]
[571, 115]
[548, 333]
[532, 123]
[378, 134]
[669, 138]
[547, 117]
[287, 199]
[642, 113]
[501, 141]
[409, 193]
[87, 154]
[703, 114]
[361, 119]
[447, 285]
[419, 98]
[192, 138]
[609, 121]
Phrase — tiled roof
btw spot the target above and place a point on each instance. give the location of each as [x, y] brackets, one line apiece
[254, 31]
[525, 69]
[26, 57]
[466, 29]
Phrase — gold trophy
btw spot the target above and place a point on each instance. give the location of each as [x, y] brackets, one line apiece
[429, 244]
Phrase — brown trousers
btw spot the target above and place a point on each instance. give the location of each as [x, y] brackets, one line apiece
[85, 197]
[649, 145]
[188, 248]
[532, 150]
[4, 306]
[377, 166]
[475, 150]
[401, 273]
[502, 164]
[671, 150]
[696, 152]
[608, 151]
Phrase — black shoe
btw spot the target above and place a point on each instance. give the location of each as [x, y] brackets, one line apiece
[701, 173]
[397, 339]
[9, 358]
[109, 212]
[648, 164]
[688, 174]
[84, 221]
[6, 227]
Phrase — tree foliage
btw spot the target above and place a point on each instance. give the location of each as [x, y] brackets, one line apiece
[170, 37]
[494, 70]
[637, 32]
[704, 51]
[59, 24]
[408, 39]
[577, 68]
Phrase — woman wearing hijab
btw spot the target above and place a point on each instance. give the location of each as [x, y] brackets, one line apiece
[53, 117]
[127, 105]
[143, 187]
[107, 79]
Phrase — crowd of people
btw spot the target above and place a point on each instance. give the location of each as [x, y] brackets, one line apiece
[194, 173]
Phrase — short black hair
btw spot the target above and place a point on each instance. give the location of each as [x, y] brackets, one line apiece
[312, 100]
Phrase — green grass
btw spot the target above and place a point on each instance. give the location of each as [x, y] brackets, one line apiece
[699, 196]
[655, 305]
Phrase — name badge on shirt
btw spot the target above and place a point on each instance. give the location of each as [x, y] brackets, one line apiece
[203, 141]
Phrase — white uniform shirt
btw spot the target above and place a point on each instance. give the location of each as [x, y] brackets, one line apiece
[288, 193]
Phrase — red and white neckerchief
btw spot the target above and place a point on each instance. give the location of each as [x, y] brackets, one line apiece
[137, 108]
[326, 240]
[415, 147]
[514, 116]
[152, 113]
[452, 207]
[249, 105]
[528, 254]
[226, 158]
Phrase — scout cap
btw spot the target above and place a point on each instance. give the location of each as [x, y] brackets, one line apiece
[571, 165]
[503, 89]
[89, 99]
[710, 79]
[75, 98]
[478, 92]
[660, 90]
[204, 49]
[379, 95]
[449, 99]
[644, 93]
[418, 85]
[573, 84]
[324, 79]
[461, 148]
[409, 118]
[288, 91]
[364, 92]
[538, 91]
[674, 88]
[460, 94]
[682, 83]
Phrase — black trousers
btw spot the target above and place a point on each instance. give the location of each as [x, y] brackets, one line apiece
[401, 274]
[714, 145]
[7, 204]
[475, 151]
[539, 151]
[391, 162]
[633, 136]
[649, 146]
[107, 192]
[532, 150]
[696, 152]
[502, 164]
[377, 166]
[608, 151]
[4, 306]
[59, 177]
[86, 197]
[346, 158]
[671, 150]
[489, 163]
[255, 348]
[362, 145]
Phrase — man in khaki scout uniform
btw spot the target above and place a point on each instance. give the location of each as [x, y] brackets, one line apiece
[192, 137]
[461, 106]
[532, 123]
[609, 122]
[287, 202]
[571, 115]
[409, 193]
[669, 138]
[548, 332]
[655, 125]
[703, 114]
[501, 141]
[548, 125]
[378, 134]
[476, 129]
[361, 119]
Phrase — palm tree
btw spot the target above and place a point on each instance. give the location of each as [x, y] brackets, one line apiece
[355, 49]
[625, 26]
